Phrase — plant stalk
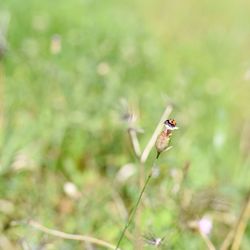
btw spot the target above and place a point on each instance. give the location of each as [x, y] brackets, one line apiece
[133, 211]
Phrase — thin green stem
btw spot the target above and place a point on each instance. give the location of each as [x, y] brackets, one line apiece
[133, 211]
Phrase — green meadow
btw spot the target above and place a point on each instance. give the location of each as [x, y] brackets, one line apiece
[76, 75]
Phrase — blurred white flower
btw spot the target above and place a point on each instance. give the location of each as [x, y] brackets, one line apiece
[22, 161]
[71, 190]
[125, 172]
[219, 139]
[156, 171]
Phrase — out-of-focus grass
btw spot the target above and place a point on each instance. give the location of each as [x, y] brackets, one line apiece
[62, 112]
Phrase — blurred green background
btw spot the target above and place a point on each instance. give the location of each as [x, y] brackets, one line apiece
[68, 70]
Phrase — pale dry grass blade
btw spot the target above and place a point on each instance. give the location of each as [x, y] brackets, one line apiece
[241, 225]
[208, 242]
[235, 235]
[135, 142]
[227, 241]
[67, 236]
[153, 138]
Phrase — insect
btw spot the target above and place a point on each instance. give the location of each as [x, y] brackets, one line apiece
[163, 139]
[150, 239]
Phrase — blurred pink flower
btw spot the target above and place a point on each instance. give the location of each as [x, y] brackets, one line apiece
[205, 225]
